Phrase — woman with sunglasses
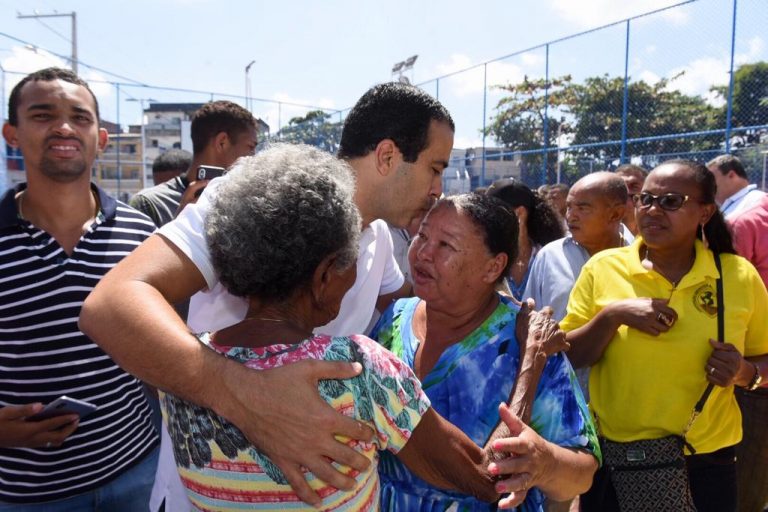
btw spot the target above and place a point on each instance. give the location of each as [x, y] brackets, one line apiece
[646, 318]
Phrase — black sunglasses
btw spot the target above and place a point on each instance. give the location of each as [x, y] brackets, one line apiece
[669, 202]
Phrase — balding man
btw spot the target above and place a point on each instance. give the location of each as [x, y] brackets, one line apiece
[595, 207]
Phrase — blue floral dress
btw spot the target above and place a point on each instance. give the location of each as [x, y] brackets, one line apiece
[466, 386]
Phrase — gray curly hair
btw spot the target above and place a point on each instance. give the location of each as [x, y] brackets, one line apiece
[276, 216]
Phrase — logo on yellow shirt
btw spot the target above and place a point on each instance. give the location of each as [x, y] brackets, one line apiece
[705, 300]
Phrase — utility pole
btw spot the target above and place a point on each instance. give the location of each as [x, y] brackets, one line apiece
[72, 15]
[248, 102]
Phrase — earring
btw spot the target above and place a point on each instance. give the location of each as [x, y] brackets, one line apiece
[704, 237]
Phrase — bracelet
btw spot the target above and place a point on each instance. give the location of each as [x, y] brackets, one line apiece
[757, 379]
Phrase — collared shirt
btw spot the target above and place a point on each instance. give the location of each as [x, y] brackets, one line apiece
[552, 277]
[43, 354]
[745, 198]
[645, 386]
[750, 236]
[554, 272]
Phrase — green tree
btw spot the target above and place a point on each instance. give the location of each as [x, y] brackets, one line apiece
[521, 114]
[591, 113]
[750, 95]
[652, 110]
[314, 129]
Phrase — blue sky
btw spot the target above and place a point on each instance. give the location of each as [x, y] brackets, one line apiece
[328, 53]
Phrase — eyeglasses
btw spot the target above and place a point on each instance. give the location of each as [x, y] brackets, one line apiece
[669, 202]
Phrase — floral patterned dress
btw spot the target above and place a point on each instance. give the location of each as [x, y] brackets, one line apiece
[221, 470]
[466, 386]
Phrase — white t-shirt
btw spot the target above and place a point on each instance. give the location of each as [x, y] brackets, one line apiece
[377, 274]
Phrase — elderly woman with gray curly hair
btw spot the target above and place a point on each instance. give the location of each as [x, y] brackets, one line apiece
[283, 232]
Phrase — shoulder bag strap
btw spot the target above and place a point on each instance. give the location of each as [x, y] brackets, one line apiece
[720, 337]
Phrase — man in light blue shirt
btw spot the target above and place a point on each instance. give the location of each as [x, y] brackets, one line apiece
[595, 208]
[734, 192]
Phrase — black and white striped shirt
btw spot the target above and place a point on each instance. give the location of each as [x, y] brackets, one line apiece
[43, 354]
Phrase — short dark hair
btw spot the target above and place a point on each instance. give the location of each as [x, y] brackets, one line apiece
[396, 111]
[543, 224]
[728, 163]
[172, 160]
[631, 170]
[45, 75]
[216, 117]
[498, 225]
[716, 231]
[561, 187]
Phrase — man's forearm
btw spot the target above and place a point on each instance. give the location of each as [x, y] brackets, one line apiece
[129, 315]
[145, 336]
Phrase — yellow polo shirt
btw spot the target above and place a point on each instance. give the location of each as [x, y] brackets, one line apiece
[644, 386]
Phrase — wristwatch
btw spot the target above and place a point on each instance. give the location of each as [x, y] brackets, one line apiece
[756, 380]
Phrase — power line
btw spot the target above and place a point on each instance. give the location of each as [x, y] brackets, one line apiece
[136, 83]
[65, 38]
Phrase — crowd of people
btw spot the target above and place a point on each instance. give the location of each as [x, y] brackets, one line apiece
[328, 332]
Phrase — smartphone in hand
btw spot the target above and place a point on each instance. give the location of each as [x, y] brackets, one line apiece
[208, 172]
[64, 405]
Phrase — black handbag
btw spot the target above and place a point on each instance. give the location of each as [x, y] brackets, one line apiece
[650, 475]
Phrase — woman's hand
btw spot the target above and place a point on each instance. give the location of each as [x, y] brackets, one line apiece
[727, 367]
[651, 316]
[529, 462]
[560, 473]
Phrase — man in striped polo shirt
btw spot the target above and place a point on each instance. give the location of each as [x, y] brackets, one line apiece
[58, 235]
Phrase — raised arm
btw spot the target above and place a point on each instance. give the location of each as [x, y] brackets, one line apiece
[560, 473]
[441, 454]
[129, 314]
[588, 342]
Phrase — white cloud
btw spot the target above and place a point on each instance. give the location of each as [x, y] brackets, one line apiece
[470, 82]
[701, 74]
[467, 142]
[27, 59]
[24, 60]
[98, 84]
[593, 13]
[755, 51]
[649, 77]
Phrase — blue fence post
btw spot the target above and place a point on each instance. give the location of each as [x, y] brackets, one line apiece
[117, 141]
[624, 108]
[730, 84]
[437, 89]
[485, 101]
[546, 117]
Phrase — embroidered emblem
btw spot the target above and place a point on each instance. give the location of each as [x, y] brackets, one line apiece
[705, 300]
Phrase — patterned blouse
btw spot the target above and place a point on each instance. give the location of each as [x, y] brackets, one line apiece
[221, 470]
[466, 386]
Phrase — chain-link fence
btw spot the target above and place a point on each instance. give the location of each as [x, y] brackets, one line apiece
[690, 80]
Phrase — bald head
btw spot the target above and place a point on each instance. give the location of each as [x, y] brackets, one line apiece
[596, 205]
[605, 183]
